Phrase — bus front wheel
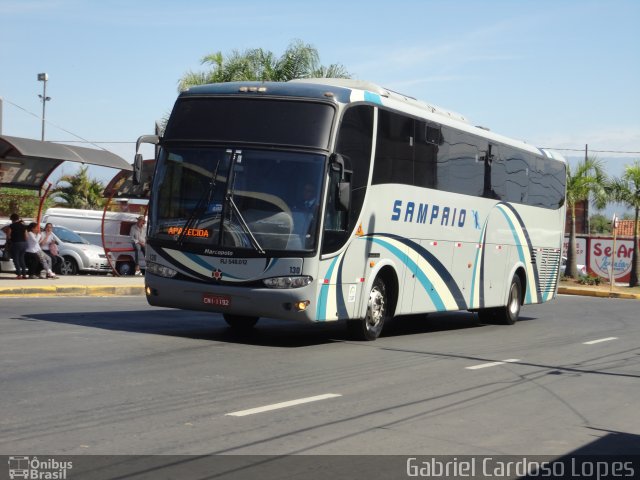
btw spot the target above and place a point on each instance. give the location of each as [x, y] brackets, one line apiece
[370, 327]
[240, 322]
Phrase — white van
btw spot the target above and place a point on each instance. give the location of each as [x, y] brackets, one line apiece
[88, 224]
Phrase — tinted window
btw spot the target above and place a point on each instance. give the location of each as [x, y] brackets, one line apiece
[394, 149]
[460, 163]
[427, 141]
[260, 120]
[355, 138]
[546, 183]
[354, 142]
[454, 161]
[509, 174]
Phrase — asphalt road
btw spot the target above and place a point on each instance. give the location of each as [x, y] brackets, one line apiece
[115, 376]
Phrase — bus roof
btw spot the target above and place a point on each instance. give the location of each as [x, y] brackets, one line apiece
[339, 88]
[350, 90]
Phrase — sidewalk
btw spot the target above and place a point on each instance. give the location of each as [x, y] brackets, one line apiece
[603, 292]
[70, 285]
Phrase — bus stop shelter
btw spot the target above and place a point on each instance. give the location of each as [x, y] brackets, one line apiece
[27, 163]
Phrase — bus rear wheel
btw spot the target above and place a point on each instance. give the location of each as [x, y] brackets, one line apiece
[370, 327]
[508, 315]
[240, 322]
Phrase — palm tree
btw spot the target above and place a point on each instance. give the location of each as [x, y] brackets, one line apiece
[626, 190]
[587, 178]
[78, 191]
[299, 60]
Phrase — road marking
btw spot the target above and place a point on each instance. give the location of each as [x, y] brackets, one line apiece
[277, 406]
[492, 364]
[592, 342]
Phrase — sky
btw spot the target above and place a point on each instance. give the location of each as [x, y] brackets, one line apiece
[554, 73]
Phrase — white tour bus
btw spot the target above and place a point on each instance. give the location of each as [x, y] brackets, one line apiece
[321, 200]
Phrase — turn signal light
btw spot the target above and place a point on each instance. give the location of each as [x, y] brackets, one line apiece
[301, 306]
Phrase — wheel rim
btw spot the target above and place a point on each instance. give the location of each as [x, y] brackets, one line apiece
[514, 300]
[66, 268]
[375, 309]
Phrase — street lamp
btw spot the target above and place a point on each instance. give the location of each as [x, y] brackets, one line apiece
[43, 77]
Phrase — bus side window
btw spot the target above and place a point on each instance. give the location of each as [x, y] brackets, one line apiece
[335, 218]
[425, 155]
[355, 142]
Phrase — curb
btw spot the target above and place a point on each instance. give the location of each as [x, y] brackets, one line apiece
[73, 291]
[597, 293]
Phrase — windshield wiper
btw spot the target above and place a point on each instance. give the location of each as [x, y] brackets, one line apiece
[243, 223]
[237, 156]
[203, 201]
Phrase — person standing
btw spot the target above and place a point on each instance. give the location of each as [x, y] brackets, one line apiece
[16, 233]
[138, 236]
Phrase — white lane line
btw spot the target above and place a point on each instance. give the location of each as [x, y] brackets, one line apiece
[492, 364]
[277, 406]
[600, 340]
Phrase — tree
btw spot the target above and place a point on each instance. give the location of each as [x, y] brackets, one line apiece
[626, 190]
[22, 201]
[299, 60]
[587, 178]
[78, 191]
[598, 223]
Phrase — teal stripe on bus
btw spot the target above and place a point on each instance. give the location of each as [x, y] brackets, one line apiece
[424, 281]
[372, 97]
[518, 243]
[474, 276]
[321, 309]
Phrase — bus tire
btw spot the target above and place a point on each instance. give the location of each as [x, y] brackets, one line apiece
[370, 327]
[240, 322]
[508, 315]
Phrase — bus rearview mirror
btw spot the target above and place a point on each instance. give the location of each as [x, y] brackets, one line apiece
[137, 160]
[344, 195]
[137, 169]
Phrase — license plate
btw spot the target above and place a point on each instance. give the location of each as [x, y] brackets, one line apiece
[216, 300]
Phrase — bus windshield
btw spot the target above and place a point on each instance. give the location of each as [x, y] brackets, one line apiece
[249, 199]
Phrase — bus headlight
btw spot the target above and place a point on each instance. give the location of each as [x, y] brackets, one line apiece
[288, 282]
[161, 270]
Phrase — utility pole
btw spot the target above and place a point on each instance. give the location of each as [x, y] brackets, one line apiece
[586, 206]
[43, 77]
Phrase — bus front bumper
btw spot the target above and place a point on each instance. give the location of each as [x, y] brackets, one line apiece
[282, 304]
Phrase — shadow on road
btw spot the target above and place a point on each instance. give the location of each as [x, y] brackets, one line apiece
[268, 332]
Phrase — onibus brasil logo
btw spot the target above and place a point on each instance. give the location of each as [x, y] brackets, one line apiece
[38, 469]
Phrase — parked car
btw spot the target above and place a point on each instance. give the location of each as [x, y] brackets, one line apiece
[582, 269]
[6, 264]
[104, 229]
[79, 256]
